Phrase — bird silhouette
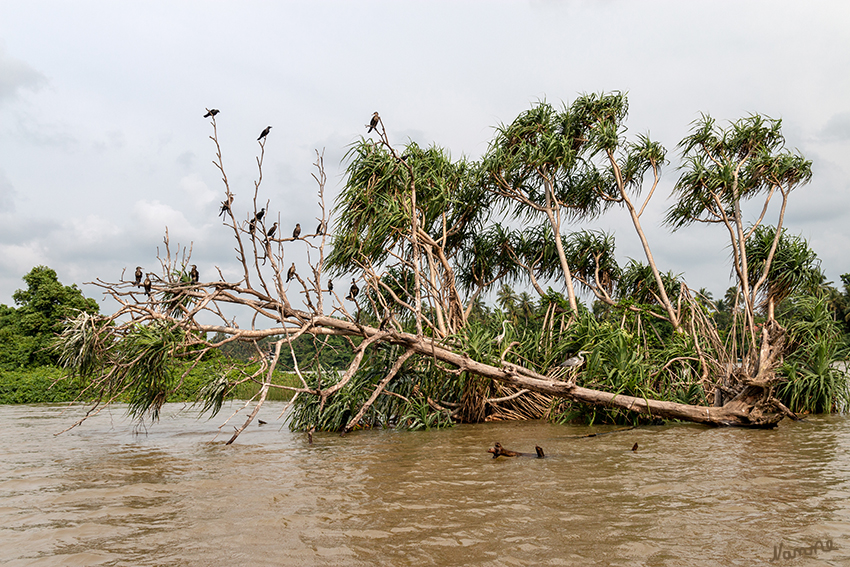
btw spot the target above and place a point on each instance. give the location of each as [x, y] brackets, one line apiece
[194, 275]
[225, 205]
[330, 285]
[353, 290]
[147, 285]
[211, 112]
[291, 273]
[260, 214]
[252, 226]
[271, 231]
[297, 232]
[374, 122]
[320, 230]
[264, 133]
[138, 276]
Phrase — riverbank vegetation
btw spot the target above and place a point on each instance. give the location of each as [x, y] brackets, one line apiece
[424, 238]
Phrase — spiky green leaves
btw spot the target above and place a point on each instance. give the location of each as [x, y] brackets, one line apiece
[724, 166]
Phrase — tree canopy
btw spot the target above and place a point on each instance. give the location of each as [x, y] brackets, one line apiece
[27, 332]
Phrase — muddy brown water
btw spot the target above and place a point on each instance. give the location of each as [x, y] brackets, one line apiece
[109, 493]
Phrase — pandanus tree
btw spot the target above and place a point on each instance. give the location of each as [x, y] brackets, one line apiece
[574, 164]
[725, 168]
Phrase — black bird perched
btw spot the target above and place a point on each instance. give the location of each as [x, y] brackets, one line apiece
[225, 205]
[291, 273]
[353, 290]
[297, 232]
[211, 112]
[138, 276]
[194, 275]
[320, 230]
[374, 122]
[252, 226]
[260, 214]
[147, 285]
[264, 133]
[330, 285]
[270, 233]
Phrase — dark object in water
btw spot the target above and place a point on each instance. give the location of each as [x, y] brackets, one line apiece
[499, 451]
[261, 422]
[635, 447]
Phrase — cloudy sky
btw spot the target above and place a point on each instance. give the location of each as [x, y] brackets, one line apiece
[103, 144]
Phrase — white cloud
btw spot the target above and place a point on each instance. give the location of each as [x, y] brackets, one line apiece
[196, 190]
[17, 75]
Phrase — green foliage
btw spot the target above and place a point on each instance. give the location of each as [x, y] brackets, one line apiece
[795, 268]
[45, 384]
[341, 407]
[725, 166]
[27, 332]
[816, 367]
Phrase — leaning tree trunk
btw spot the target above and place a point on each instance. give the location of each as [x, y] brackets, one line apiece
[750, 392]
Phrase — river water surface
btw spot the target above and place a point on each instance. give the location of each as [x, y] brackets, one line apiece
[109, 493]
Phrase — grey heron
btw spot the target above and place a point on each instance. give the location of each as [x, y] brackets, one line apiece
[574, 361]
[500, 337]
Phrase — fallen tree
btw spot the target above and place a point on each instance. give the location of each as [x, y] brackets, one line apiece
[425, 240]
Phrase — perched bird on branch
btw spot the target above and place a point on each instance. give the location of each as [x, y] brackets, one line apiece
[147, 285]
[320, 230]
[225, 205]
[194, 276]
[252, 225]
[138, 276]
[260, 214]
[373, 123]
[353, 290]
[291, 273]
[574, 361]
[330, 285]
[264, 133]
[211, 112]
[271, 231]
[297, 232]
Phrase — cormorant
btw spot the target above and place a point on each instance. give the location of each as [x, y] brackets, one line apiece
[353, 290]
[270, 233]
[211, 112]
[194, 275]
[374, 122]
[297, 232]
[330, 285]
[225, 205]
[260, 214]
[138, 276]
[252, 225]
[264, 133]
[147, 285]
[291, 273]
